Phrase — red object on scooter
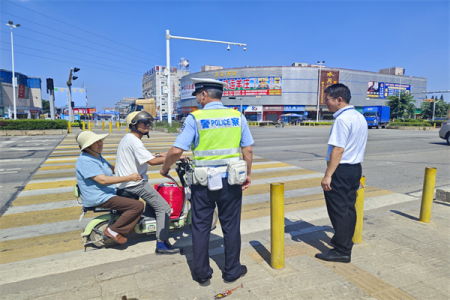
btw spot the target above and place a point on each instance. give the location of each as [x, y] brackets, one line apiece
[173, 195]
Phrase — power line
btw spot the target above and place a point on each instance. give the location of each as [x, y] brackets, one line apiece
[71, 62]
[17, 45]
[65, 33]
[22, 36]
[82, 29]
[62, 39]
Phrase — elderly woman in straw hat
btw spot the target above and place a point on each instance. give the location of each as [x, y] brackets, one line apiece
[96, 180]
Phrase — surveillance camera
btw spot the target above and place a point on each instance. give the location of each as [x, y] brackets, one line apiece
[245, 48]
[228, 48]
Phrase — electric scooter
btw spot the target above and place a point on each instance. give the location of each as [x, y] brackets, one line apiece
[93, 233]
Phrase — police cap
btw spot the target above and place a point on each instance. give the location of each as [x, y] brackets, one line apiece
[206, 83]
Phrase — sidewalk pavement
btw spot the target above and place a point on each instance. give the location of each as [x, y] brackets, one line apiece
[399, 258]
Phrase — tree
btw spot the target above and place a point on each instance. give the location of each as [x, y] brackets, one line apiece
[402, 106]
[45, 106]
[440, 110]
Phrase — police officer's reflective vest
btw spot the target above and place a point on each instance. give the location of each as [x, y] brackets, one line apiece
[219, 136]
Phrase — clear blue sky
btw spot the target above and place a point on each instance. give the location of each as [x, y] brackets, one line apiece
[116, 42]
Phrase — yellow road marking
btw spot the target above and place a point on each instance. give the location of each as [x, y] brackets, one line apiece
[30, 200]
[42, 217]
[22, 249]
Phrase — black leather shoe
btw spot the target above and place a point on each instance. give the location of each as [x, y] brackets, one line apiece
[332, 255]
[203, 282]
[167, 248]
[243, 272]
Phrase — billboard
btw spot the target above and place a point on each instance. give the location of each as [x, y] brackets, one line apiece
[253, 86]
[383, 90]
[62, 94]
[327, 78]
[187, 90]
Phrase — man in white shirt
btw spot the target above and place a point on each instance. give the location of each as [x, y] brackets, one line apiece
[133, 157]
[346, 147]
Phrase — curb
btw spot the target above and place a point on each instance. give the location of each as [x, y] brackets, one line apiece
[410, 127]
[33, 132]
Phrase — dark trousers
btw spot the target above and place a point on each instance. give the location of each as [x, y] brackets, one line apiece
[341, 205]
[131, 211]
[229, 203]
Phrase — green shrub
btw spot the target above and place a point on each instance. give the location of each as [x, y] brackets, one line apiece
[30, 124]
[415, 124]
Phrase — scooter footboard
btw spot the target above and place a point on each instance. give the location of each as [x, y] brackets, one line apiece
[97, 220]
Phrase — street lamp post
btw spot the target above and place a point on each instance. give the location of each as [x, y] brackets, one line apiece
[168, 37]
[14, 81]
[318, 90]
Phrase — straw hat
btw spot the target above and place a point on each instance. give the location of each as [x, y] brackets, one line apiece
[87, 138]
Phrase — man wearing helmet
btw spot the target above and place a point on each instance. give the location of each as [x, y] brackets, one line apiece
[133, 157]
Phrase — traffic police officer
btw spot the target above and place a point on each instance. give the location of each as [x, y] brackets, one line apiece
[215, 134]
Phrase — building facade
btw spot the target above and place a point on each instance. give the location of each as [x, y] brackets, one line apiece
[154, 85]
[267, 93]
[28, 96]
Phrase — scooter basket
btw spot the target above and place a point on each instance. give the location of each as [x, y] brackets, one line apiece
[174, 196]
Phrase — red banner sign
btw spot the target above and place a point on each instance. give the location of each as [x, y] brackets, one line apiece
[327, 78]
[21, 93]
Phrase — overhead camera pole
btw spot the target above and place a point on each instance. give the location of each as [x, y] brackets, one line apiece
[14, 80]
[168, 37]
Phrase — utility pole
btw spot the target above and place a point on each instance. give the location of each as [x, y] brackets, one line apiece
[50, 91]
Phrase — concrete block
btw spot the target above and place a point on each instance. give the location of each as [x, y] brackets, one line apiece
[443, 194]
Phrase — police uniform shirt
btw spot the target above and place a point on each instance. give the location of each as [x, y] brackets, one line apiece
[189, 133]
[349, 131]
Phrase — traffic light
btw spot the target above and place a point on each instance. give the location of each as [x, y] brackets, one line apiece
[76, 70]
[72, 104]
[50, 86]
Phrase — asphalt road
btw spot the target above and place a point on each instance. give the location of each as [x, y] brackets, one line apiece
[20, 157]
[394, 160]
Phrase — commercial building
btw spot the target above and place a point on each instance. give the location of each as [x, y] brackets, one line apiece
[266, 93]
[154, 85]
[123, 105]
[28, 96]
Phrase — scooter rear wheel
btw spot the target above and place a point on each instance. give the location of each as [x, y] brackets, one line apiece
[98, 239]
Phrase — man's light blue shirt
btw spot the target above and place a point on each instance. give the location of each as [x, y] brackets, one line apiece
[189, 133]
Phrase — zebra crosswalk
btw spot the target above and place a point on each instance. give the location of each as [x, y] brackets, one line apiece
[40, 232]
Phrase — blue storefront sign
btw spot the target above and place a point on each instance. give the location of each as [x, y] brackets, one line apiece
[294, 108]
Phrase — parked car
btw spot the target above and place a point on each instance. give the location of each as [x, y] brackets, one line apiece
[444, 132]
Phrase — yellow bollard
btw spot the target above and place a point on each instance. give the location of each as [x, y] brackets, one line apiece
[69, 128]
[277, 225]
[359, 206]
[127, 129]
[110, 127]
[84, 126]
[118, 126]
[427, 194]
[434, 126]
[89, 125]
[103, 125]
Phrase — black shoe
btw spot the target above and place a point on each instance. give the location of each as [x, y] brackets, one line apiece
[166, 248]
[243, 272]
[203, 282]
[332, 255]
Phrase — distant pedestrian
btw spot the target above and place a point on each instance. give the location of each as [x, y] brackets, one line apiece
[346, 147]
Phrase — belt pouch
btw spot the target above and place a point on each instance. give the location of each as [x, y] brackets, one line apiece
[214, 179]
[200, 176]
[237, 172]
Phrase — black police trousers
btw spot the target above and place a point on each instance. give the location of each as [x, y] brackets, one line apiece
[229, 203]
[341, 205]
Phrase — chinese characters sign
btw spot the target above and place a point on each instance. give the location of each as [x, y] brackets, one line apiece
[385, 89]
[327, 78]
[252, 86]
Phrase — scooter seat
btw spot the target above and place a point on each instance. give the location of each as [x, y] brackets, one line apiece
[124, 193]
